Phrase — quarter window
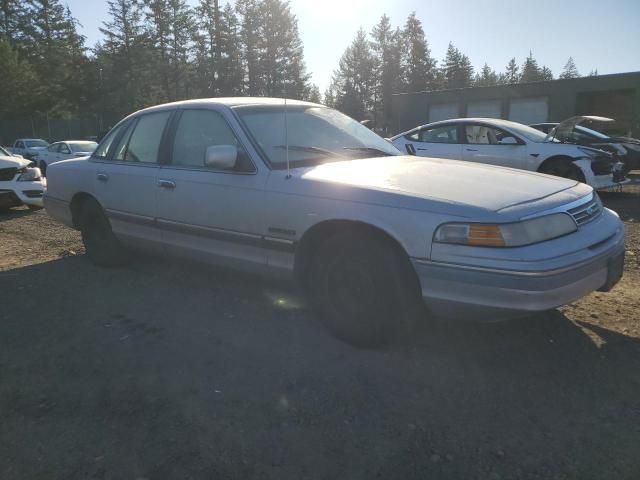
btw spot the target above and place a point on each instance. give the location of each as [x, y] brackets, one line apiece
[144, 144]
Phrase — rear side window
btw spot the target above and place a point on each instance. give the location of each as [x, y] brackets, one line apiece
[144, 143]
[443, 134]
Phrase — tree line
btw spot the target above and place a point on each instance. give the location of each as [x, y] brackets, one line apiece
[156, 51]
[390, 60]
[153, 51]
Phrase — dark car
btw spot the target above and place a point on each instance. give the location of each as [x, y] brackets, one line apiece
[628, 149]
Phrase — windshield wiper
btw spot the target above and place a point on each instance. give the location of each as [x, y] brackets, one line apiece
[310, 149]
[369, 150]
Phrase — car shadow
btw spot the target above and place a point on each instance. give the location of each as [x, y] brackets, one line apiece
[174, 370]
[14, 212]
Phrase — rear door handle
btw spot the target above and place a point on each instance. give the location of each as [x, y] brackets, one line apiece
[422, 149]
[170, 184]
[103, 177]
[472, 150]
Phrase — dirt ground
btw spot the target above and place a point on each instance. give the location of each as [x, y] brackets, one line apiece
[163, 370]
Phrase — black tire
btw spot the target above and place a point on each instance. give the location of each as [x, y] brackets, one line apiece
[364, 289]
[101, 245]
[564, 169]
[43, 168]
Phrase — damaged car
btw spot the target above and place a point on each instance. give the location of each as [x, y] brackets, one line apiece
[20, 182]
[510, 144]
[572, 131]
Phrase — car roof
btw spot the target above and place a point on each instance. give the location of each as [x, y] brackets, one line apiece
[228, 102]
[498, 122]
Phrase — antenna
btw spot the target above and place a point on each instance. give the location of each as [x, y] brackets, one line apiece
[286, 136]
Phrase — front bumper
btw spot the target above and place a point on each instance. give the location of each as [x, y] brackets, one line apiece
[471, 291]
[14, 193]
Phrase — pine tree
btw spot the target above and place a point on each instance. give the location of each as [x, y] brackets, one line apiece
[231, 67]
[330, 96]
[487, 77]
[352, 81]
[17, 83]
[417, 64]
[531, 72]
[570, 70]
[123, 57]
[249, 12]
[387, 47]
[457, 71]
[314, 94]
[208, 48]
[593, 73]
[512, 73]
[12, 22]
[546, 73]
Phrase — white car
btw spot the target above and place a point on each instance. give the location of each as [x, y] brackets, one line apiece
[306, 193]
[510, 144]
[20, 183]
[63, 151]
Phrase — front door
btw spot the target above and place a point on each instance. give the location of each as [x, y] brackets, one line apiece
[487, 144]
[208, 213]
[440, 141]
[126, 177]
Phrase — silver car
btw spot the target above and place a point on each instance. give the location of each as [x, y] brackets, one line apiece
[303, 192]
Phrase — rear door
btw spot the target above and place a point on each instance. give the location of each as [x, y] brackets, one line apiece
[489, 144]
[439, 141]
[126, 176]
[205, 212]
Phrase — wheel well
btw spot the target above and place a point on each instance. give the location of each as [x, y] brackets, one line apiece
[551, 160]
[316, 235]
[78, 200]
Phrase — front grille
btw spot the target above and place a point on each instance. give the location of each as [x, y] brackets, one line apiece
[587, 211]
[7, 174]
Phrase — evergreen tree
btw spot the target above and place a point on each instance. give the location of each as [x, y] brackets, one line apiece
[314, 94]
[17, 83]
[330, 96]
[593, 73]
[512, 73]
[352, 81]
[531, 72]
[281, 66]
[418, 65]
[231, 67]
[387, 47]
[457, 71]
[208, 48]
[12, 22]
[123, 57]
[546, 73]
[487, 77]
[570, 70]
[249, 13]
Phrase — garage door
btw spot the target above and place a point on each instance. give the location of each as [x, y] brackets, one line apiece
[443, 111]
[485, 109]
[529, 110]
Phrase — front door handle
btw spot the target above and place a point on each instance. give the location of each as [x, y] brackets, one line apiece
[472, 149]
[170, 184]
[422, 149]
[103, 177]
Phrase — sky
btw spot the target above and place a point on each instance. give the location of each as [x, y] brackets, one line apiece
[598, 34]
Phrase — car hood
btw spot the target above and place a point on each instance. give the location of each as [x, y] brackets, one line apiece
[564, 128]
[13, 162]
[448, 182]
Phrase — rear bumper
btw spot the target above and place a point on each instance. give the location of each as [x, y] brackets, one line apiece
[462, 291]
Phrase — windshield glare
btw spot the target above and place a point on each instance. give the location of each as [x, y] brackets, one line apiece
[36, 143]
[315, 135]
[83, 147]
[527, 132]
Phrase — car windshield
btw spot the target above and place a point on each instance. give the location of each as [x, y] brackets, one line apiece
[314, 135]
[527, 132]
[83, 147]
[36, 143]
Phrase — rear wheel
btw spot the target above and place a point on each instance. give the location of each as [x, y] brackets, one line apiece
[364, 289]
[101, 245]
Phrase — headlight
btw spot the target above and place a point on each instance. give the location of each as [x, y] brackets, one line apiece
[516, 234]
[30, 175]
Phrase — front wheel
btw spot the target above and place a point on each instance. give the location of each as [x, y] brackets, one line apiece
[43, 168]
[100, 243]
[565, 170]
[365, 289]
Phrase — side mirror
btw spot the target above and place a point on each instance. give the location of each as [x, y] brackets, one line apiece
[221, 157]
[508, 141]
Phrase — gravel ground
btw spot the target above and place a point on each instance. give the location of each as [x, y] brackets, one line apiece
[164, 370]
